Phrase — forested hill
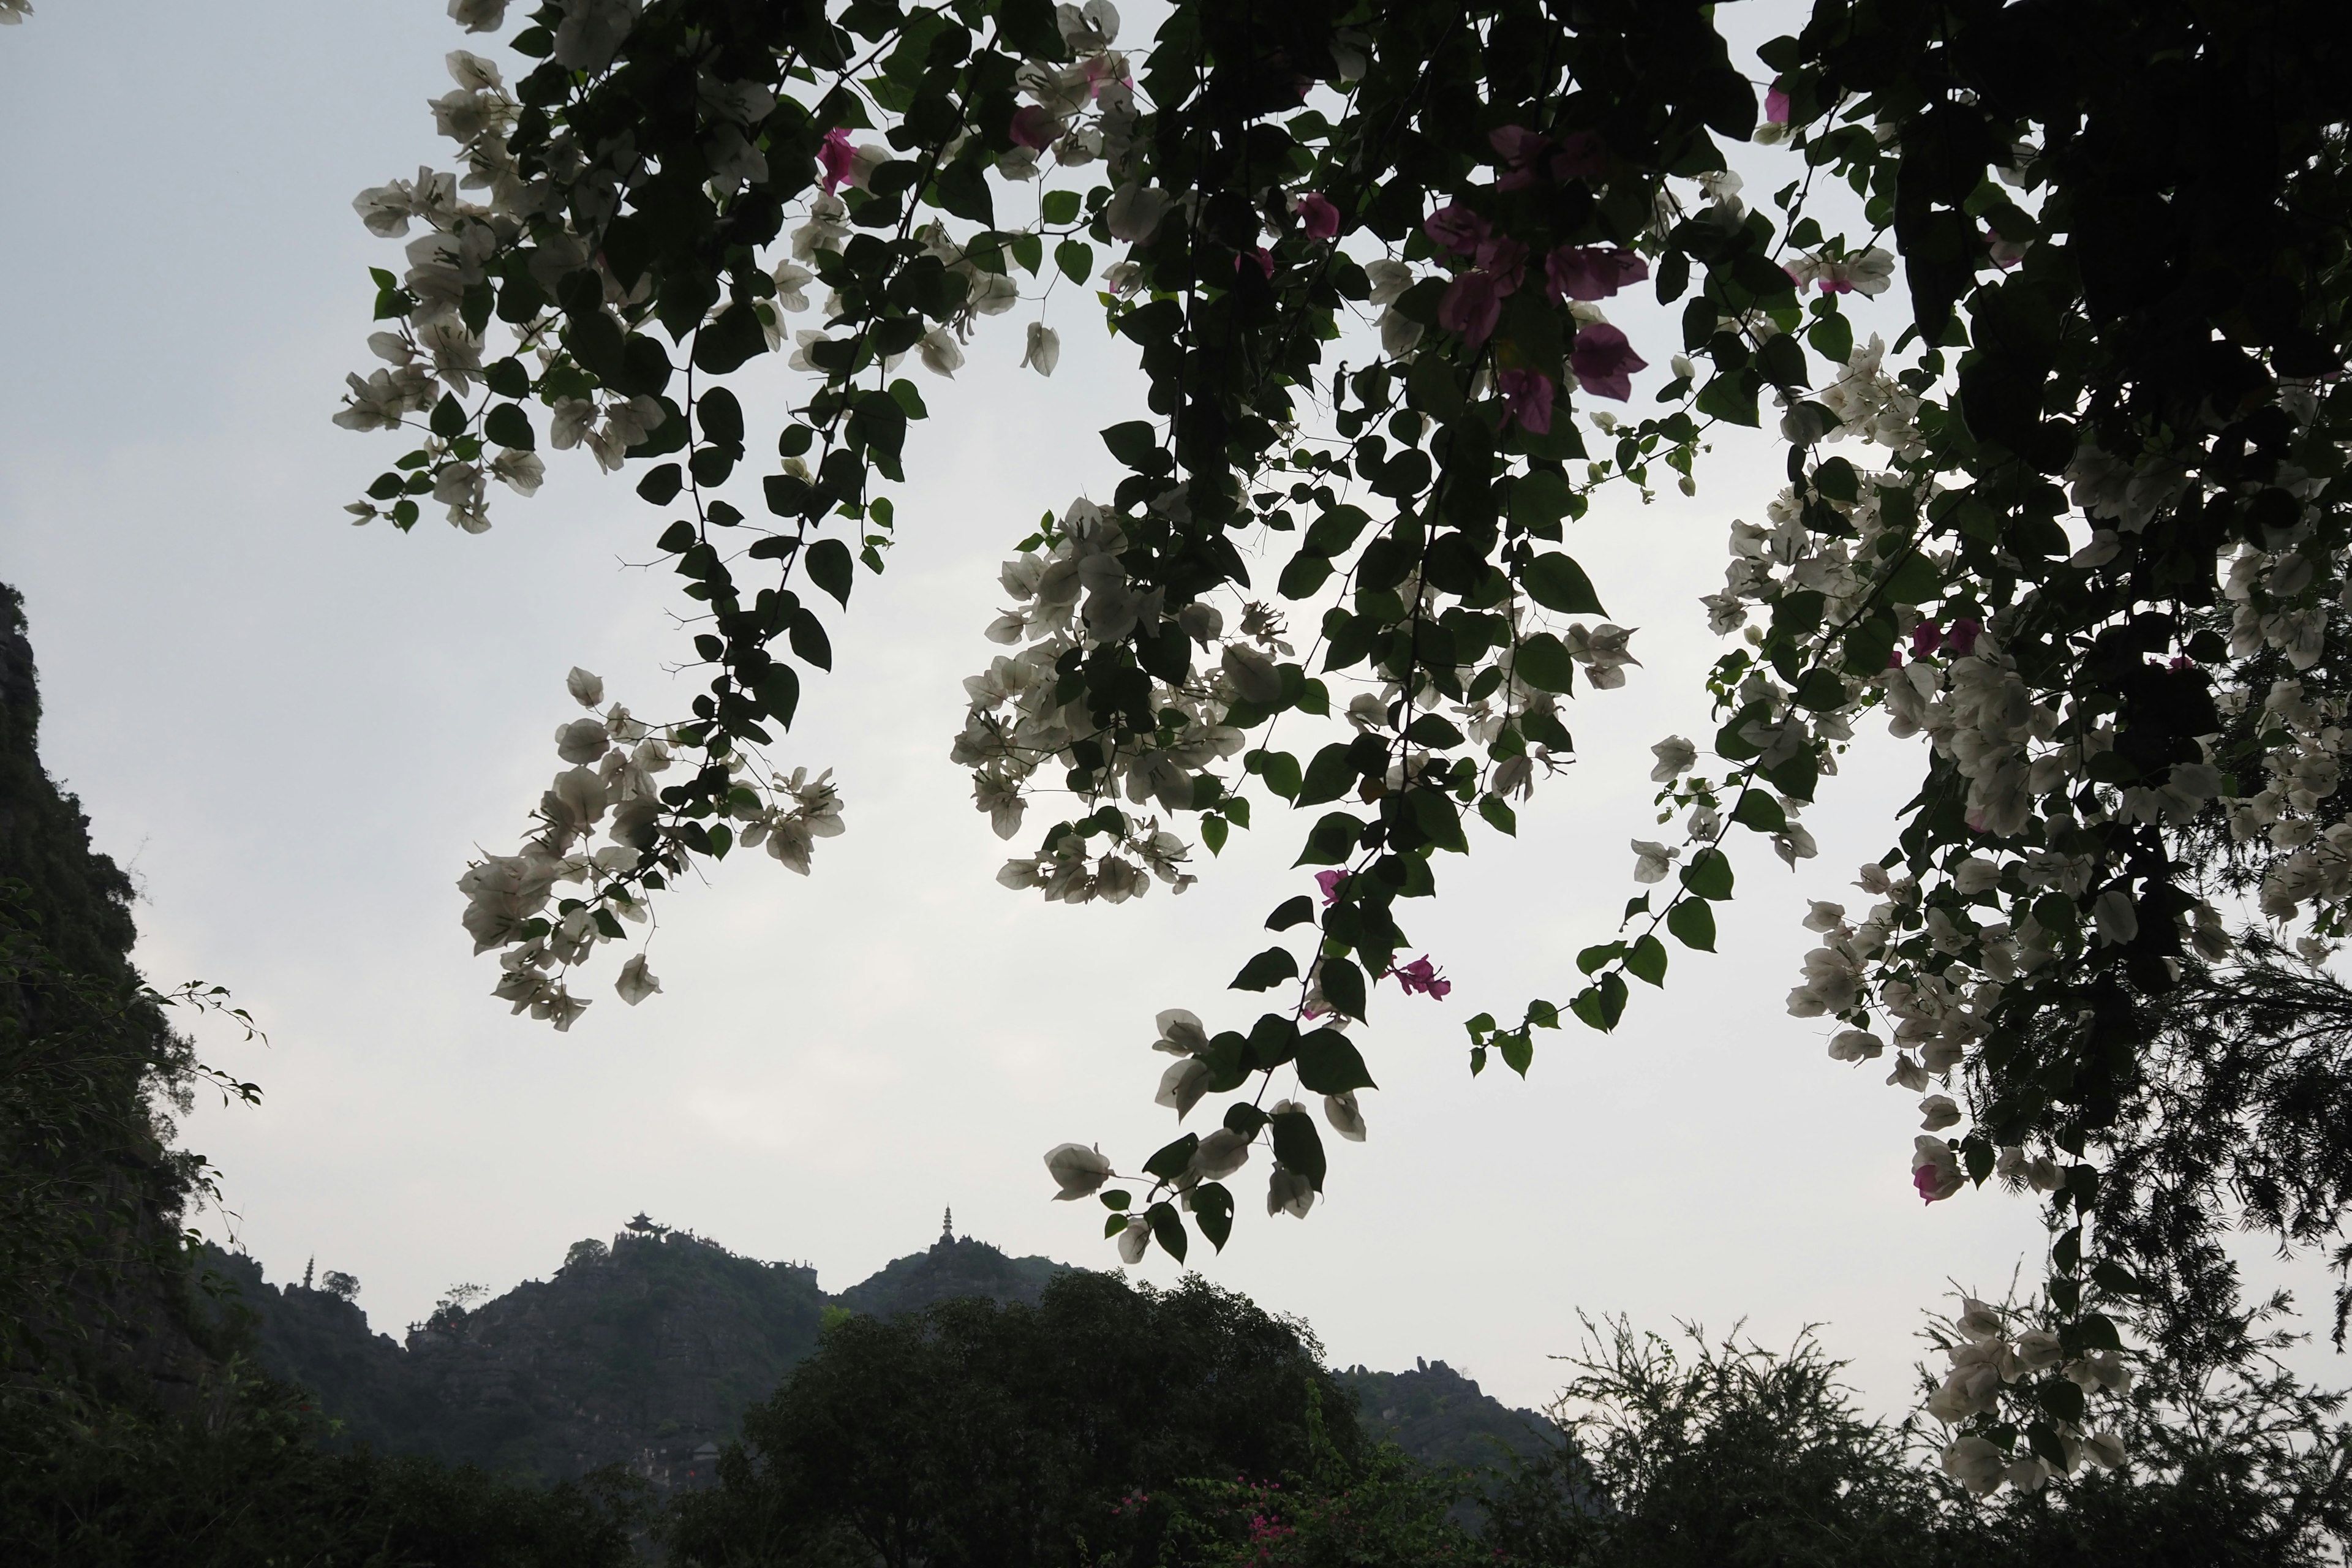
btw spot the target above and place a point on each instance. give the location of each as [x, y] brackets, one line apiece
[646, 1352]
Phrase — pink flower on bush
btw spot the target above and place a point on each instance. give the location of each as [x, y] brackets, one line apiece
[1776, 107]
[1604, 362]
[1929, 1181]
[1925, 637]
[1520, 152]
[1263, 257]
[1580, 157]
[1961, 640]
[1528, 394]
[835, 156]
[1591, 272]
[1316, 215]
[1420, 978]
[1504, 256]
[1329, 883]
[1033, 128]
[1456, 228]
[1472, 306]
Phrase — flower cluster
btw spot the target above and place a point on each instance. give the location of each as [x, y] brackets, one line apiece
[610, 787]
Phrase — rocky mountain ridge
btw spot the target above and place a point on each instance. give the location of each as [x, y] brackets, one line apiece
[644, 1352]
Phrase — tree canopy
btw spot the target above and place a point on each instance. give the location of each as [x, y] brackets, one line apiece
[2076, 524]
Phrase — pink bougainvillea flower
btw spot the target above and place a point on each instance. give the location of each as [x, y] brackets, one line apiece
[1420, 978]
[1925, 637]
[1520, 154]
[1264, 257]
[1472, 306]
[1527, 395]
[1098, 75]
[1580, 157]
[1329, 883]
[1929, 1182]
[1961, 640]
[1592, 272]
[1776, 107]
[1316, 215]
[1456, 228]
[835, 157]
[1604, 362]
[1033, 128]
[1504, 256]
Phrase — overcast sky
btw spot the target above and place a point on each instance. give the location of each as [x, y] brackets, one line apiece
[294, 733]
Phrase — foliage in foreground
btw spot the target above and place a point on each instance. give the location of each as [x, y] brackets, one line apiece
[96, 1486]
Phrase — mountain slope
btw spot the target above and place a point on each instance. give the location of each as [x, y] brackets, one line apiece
[647, 1353]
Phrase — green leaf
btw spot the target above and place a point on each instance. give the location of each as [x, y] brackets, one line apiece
[661, 485]
[1332, 774]
[1539, 499]
[1134, 443]
[1913, 582]
[779, 692]
[1343, 986]
[1291, 912]
[1331, 841]
[1115, 1200]
[1280, 771]
[449, 418]
[1499, 815]
[1646, 959]
[1212, 834]
[1518, 1050]
[1076, 258]
[1060, 206]
[1330, 1063]
[1600, 954]
[1173, 1159]
[1692, 921]
[1760, 812]
[1168, 1229]
[1709, 875]
[1212, 1211]
[1832, 338]
[1298, 1145]
[1557, 583]
[508, 426]
[1265, 971]
[1543, 662]
[809, 641]
[829, 567]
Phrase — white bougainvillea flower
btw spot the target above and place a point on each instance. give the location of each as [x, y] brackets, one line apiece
[1977, 1464]
[1133, 212]
[636, 981]
[1289, 1193]
[1043, 350]
[1078, 1170]
[1935, 1169]
[1346, 1118]
[1220, 1153]
[1182, 1033]
[587, 689]
[1134, 1240]
[583, 741]
[940, 352]
[1652, 860]
[1855, 1045]
[1938, 1111]
[522, 472]
[478, 16]
[1253, 674]
[1182, 1085]
[2105, 1449]
[1675, 757]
